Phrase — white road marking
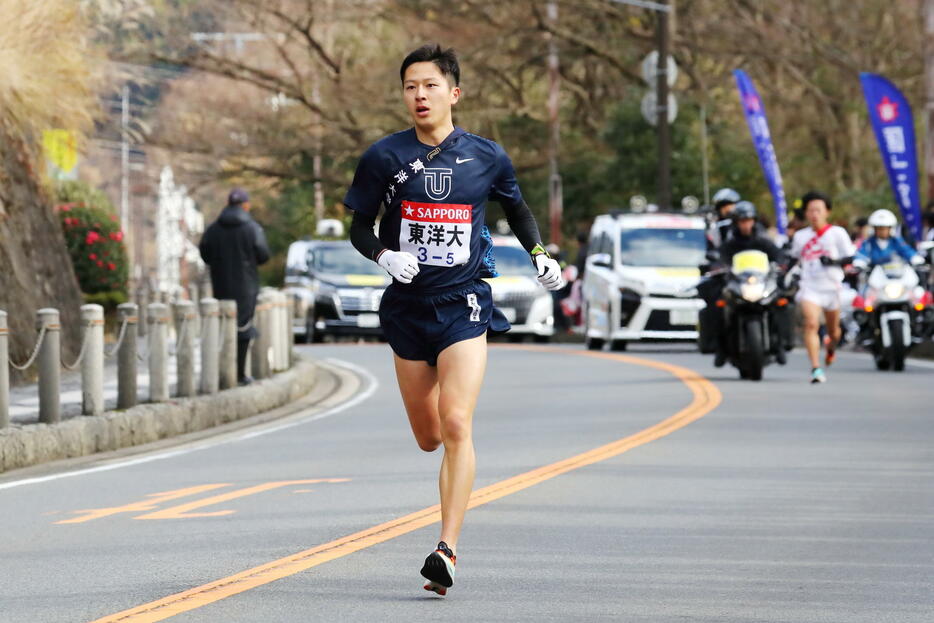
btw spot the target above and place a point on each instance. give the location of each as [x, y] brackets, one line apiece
[371, 385]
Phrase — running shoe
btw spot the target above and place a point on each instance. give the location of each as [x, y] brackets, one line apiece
[817, 376]
[830, 356]
[439, 569]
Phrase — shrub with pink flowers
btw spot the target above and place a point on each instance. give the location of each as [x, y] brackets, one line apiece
[94, 238]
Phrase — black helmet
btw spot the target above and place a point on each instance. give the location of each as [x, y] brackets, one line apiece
[744, 209]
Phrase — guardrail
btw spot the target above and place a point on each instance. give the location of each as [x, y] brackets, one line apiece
[212, 326]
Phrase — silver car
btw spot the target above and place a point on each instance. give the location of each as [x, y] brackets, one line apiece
[528, 306]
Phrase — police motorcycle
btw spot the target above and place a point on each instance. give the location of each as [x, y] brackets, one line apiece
[749, 300]
[895, 312]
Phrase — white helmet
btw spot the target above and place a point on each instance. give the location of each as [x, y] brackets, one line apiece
[725, 196]
[882, 218]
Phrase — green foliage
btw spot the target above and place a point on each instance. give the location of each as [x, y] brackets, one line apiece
[94, 239]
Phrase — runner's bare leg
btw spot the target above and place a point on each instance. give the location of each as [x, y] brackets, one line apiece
[811, 313]
[418, 384]
[832, 318]
[461, 367]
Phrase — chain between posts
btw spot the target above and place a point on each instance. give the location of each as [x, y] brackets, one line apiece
[116, 347]
[84, 347]
[35, 352]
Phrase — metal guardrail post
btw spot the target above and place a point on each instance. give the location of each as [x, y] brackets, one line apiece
[158, 329]
[261, 344]
[50, 365]
[210, 345]
[228, 344]
[4, 372]
[126, 358]
[186, 318]
[92, 363]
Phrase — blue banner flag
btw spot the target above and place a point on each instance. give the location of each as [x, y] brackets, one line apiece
[894, 127]
[762, 139]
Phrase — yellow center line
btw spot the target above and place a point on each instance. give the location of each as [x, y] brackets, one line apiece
[706, 397]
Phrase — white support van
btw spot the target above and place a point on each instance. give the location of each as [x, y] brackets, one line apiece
[637, 266]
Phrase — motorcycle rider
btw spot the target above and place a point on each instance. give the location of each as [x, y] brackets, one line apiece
[724, 200]
[744, 234]
[881, 248]
[883, 244]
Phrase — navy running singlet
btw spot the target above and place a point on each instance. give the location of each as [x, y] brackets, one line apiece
[435, 202]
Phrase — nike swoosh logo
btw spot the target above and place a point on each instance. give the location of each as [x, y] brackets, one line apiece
[459, 161]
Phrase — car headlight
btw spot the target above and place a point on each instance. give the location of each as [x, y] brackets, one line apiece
[752, 292]
[893, 290]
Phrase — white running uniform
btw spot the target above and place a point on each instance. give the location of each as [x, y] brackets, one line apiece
[821, 284]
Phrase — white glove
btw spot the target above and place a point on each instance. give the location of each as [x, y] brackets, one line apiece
[549, 272]
[917, 260]
[400, 265]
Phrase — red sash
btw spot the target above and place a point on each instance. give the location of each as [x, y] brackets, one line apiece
[813, 241]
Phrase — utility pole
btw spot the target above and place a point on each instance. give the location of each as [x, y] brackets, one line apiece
[555, 199]
[927, 11]
[664, 9]
[663, 193]
[125, 167]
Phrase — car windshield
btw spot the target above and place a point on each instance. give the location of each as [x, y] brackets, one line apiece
[662, 247]
[343, 261]
[512, 261]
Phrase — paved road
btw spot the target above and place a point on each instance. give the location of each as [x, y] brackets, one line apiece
[705, 501]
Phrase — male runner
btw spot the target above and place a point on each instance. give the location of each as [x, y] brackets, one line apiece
[433, 181]
[822, 250]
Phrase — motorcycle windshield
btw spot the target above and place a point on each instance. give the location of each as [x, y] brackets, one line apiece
[750, 261]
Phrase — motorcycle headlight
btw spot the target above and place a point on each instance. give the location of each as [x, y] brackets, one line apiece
[752, 292]
[894, 290]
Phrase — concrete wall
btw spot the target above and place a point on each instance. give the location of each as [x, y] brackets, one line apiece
[23, 446]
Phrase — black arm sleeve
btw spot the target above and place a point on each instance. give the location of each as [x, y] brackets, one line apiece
[523, 225]
[363, 237]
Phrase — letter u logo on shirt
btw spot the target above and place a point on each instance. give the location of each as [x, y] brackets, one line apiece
[438, 183]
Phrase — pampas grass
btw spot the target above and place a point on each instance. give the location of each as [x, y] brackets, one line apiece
[48, 66]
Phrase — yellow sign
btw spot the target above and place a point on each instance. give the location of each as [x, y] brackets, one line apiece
[676, 272]
[753, 260]
[61, 148]
[366, 280]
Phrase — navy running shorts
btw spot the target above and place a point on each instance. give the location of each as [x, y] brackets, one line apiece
[419, 326]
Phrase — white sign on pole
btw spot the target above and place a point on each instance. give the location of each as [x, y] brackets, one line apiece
[650, 69]
[650, 110]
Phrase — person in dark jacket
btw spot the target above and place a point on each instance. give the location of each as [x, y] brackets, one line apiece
[233, 246]
[745, 235]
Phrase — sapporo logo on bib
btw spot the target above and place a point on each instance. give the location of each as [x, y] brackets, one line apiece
[437, 234]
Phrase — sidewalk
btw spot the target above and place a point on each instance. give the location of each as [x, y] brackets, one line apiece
[24, 399]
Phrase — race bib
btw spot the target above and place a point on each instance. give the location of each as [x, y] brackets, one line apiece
[437, 234]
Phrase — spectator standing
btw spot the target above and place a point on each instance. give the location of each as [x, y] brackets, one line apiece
[232, 247]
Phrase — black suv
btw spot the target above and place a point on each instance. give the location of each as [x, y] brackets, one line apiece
[336, 290]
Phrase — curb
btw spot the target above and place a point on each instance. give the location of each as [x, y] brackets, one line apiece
[23, 446]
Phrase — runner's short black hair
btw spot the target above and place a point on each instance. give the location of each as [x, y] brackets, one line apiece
[446, 61]
[813, 195]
